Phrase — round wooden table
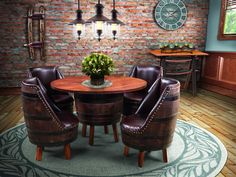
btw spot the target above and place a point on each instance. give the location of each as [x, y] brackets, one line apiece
[99, 106]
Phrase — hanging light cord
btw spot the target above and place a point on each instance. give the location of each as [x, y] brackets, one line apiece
[78, 4]
[114, 4]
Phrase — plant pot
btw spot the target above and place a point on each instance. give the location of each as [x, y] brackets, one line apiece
[96, 80]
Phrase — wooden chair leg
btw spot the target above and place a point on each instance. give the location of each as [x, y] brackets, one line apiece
[126, 151]
[39, 153]
[84, 129]
[186, 84]
[141, 158]
[115, 132]
[106, 131]
[67, 151]
[91, 134]
[164, 155]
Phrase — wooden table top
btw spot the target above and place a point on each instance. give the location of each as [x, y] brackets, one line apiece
[158, 53]
[120, 84]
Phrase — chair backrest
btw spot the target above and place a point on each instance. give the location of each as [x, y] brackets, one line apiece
[161, 97]
[150, 100]
[147, 73]
[40, 112]
[46, 74]
[179, 68]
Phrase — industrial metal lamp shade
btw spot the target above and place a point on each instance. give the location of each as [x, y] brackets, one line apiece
[99, 22]
[114, 23]
[79, 23]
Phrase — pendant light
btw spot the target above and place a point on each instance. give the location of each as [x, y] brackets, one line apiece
[79, 23]
[99, 21]
[114, 23]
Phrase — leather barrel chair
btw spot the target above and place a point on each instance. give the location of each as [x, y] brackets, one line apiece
[153, 124]
[46, 75]
[133, 99]
[47, 125]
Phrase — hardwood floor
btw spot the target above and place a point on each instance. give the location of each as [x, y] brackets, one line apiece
[211, 111]
[10, 111]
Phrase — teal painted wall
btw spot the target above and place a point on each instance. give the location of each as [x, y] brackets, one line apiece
[212, 44]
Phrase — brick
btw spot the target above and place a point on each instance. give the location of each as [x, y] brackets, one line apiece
[139, 34]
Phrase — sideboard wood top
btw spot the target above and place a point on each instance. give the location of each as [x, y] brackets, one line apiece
[158, 53]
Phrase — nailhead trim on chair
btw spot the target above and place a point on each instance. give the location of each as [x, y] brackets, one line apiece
[51, 113]
[166, 93]
[45, 105]
[142, 129]
[155, 112]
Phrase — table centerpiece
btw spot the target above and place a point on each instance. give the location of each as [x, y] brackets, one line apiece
[97, 65]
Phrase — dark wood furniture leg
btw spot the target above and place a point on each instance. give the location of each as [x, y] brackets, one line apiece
[163, 64]
[39, 153]
[91, 135]
[67, 151]
[194, 79]
[106, 131]
[164, 155]
[84, 129]
[126, 151]
[115, 133]
[141, 158]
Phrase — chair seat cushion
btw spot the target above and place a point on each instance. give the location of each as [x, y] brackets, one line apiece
[134, 96]
[62, 98]
[69, 120]
[131, 123]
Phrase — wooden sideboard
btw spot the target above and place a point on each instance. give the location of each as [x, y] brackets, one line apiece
[219, 73]
[194, 55]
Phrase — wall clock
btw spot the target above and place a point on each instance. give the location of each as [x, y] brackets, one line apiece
[170, 14]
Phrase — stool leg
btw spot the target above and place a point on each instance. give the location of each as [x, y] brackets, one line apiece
[141, 158]
[164, 155]
[84, 129]
[91, 134]
[67, 151]
[115, 132]
[106, 131]
[39, 152]
[126, 151]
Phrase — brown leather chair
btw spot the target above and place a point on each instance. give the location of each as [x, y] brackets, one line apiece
[133, 99]
[47, 125]
[46, 75]
[153, 124]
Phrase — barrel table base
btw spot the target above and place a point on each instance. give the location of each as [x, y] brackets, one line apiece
[99, 110]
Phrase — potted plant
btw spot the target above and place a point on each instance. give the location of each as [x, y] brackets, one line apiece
[97, 65]
[169, 47]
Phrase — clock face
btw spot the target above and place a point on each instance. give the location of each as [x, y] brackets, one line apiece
[170, 14]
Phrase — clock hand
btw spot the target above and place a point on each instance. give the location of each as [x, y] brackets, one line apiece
[166, 17]
[174, 11]
[166, 12]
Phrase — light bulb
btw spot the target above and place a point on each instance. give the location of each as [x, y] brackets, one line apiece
[114, 27]
[79, 27]
[99, 25]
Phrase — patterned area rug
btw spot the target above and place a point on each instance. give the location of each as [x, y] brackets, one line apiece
[194, 152]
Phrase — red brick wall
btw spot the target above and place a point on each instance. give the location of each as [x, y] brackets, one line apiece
[139, 34]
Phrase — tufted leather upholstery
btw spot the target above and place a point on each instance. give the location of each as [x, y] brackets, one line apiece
[46, 75]
[153, 124]
[47, 124]
[147, 73]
